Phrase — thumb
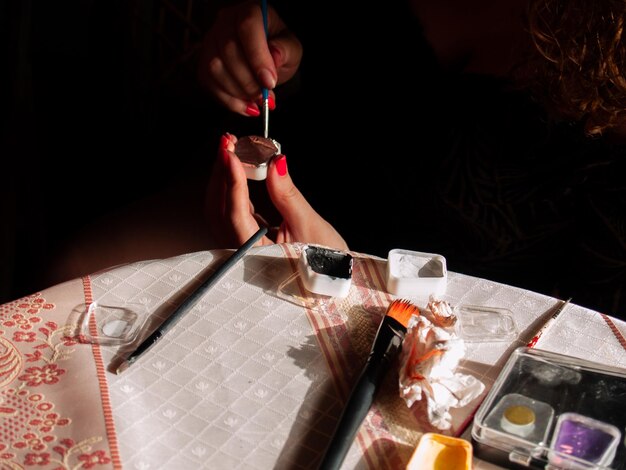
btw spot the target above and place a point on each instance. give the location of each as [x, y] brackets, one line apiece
[301, 223]
[289, 201]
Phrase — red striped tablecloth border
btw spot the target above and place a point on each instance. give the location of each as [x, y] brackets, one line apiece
[102, 381]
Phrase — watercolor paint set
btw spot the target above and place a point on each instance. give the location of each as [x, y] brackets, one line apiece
[327, 273]
[552, 411]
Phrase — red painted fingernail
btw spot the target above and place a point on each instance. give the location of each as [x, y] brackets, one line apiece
[224, 142]
[271, 102]
[252, 110]
[267, 79]
[281, 165]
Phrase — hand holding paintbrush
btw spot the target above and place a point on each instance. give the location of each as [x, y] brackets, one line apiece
[266, 102]
[387, 345]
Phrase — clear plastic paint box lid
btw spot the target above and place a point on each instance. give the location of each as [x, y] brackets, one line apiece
[416, 274]
[110, 323]
[478, 323]
[553, 411]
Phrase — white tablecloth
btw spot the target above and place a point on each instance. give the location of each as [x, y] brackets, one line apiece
[243, 381]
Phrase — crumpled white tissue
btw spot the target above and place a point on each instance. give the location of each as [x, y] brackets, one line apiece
[429, 358]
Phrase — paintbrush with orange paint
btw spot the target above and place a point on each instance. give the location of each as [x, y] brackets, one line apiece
[387, 345]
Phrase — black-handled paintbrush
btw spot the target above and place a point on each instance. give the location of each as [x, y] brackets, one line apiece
[190, 301]
[387, 345]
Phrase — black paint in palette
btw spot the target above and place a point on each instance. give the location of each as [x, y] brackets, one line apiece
[329, 262]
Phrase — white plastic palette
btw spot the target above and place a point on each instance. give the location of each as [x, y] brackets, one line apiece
[416, 274]
[325, 271]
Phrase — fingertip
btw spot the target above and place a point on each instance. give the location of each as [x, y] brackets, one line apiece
[252, 110]
[228, 142]
[280, 163]
[224, 141]
[267, 78]
[233, 140]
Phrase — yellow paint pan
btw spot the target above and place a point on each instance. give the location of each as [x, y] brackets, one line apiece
[438, 452]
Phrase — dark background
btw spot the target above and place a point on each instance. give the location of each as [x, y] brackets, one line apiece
[100, 108]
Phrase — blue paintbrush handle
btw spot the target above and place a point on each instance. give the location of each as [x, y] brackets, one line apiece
[264, 12]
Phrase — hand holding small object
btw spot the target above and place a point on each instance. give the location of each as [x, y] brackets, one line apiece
[233, 217]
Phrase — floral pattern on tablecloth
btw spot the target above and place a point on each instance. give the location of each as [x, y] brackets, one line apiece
[48, 382]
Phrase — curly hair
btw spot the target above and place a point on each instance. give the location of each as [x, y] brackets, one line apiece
[580, 72]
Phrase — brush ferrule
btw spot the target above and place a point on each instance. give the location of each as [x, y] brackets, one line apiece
[266, 118]
[388, 339]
